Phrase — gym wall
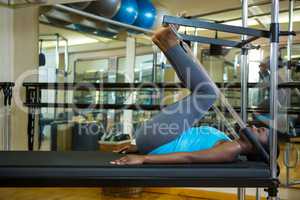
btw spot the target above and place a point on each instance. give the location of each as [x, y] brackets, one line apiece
[20, 54]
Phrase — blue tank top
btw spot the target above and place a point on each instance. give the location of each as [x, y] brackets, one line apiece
[194, 139]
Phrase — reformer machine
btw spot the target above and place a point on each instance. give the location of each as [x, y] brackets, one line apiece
[93, 168]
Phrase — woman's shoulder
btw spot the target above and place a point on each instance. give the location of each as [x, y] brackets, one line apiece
[207, 130]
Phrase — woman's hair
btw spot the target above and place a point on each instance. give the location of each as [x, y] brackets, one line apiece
[257, 157]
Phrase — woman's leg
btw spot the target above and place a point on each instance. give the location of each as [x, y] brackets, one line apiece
[178, 117]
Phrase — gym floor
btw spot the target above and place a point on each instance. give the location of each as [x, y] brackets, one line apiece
[148, 194]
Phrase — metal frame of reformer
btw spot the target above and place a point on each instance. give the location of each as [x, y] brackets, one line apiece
[7, 89]
[93, 169]
[273, 35]
[197, 23]
[33, 101]
[289, 143]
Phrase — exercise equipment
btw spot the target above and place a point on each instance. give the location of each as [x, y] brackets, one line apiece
[42, 168]
[239, 30]
[60, 41]
[160, 13]
[105, 8]
[42, 57]
[128, 12]
[295, 139]
[244, 79]
[99, 19]
[146, 15]
[94, 169]
[273, 35]
[6, 88]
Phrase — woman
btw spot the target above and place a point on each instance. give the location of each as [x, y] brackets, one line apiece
[169, 137]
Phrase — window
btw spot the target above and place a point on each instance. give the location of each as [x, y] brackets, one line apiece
[255, 58]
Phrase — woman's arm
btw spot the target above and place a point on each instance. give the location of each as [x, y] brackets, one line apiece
[224, 152]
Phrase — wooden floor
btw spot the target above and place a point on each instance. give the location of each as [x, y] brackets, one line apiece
[295, 172]
[78, 194]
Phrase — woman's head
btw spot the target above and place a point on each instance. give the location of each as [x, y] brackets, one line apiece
[262, 134]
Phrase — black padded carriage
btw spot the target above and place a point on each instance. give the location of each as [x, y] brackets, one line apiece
[93, 169]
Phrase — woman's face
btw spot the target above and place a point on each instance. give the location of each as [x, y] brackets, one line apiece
[262, 134]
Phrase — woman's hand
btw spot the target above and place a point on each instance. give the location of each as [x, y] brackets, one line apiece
[127, 149]
[130, 160]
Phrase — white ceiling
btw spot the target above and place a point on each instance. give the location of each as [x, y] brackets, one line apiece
[193, 7]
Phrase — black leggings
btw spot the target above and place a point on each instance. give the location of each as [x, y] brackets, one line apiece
[177, 118]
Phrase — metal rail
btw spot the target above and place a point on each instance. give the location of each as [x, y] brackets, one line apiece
[134, 86]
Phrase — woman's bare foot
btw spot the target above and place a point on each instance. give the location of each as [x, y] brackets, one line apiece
[165, 38]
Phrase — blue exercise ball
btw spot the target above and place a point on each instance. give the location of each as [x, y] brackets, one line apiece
[128, 12]
[147, 14]
[104, 8]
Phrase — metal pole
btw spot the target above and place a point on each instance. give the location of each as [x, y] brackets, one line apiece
[57, 69]
[244, 81]
[241, 193]
[244, 66]
[257, 195]
[290, 37]
[66, 67]
[6, 139]
[274, 39]
[66, 56]
[289, 49]
[7, 129]
[57, 51]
